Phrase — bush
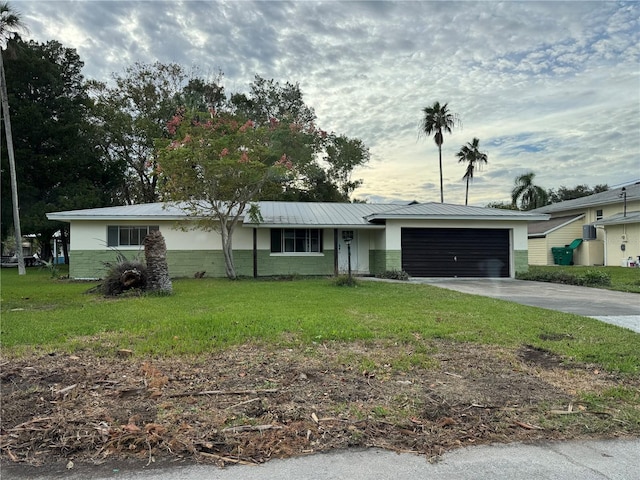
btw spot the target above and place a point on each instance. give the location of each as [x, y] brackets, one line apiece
[596, 278]
[345, 281]
[52, 267]
[124, 275]
[394, 275]
[590, 278]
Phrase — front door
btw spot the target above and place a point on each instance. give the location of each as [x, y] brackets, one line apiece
[343, 257]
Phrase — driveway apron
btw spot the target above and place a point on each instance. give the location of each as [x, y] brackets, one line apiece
[618, 308]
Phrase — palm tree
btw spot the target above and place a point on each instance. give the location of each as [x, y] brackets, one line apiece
[437, 120]
[529, 195]
[10, 26]
[470, 154]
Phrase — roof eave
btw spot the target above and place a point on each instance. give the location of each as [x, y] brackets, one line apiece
[616, 222]
[353, 226]
[117, 218]
[510, 218]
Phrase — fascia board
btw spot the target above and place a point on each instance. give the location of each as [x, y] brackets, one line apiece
[505, 218]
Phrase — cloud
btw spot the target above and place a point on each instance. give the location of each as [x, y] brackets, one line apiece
[551, 87]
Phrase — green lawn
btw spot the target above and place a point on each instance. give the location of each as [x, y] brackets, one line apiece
[43, 314]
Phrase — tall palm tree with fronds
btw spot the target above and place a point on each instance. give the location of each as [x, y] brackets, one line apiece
[473, 157]
[10, 26]
[528, 195]
[437, 120]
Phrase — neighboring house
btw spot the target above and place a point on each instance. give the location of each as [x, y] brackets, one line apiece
[608, 223]
[425, 240]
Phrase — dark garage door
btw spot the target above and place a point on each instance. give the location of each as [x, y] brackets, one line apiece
[455, 252]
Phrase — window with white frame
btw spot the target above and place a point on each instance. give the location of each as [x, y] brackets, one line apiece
[128, 235]
[296, 240]
[599, 215]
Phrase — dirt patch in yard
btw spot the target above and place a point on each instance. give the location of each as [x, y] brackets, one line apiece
[253, 403]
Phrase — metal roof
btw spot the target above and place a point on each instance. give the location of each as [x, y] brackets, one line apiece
[445, 211]
[316, 214]
[144, 211]
[604, 198]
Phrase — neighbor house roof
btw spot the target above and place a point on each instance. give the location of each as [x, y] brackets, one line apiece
[597, 199]
[306, 214]
[545, 227]
[619, 219]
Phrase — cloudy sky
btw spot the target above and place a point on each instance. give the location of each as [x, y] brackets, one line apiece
[550, 87]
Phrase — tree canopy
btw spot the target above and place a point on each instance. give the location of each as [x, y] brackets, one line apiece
[565, 193]
[83, 144]
[132, 114]
[217, 167]
[58, 167]
[526, 195]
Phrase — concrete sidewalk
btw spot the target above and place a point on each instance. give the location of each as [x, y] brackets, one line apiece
[584, 460]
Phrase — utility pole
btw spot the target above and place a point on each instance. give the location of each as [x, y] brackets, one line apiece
[12, 169]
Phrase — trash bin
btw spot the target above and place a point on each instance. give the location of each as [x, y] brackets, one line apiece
[562, 255]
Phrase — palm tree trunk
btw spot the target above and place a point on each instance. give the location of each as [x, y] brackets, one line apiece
[466, 194]
[12, 168]
[441, 184]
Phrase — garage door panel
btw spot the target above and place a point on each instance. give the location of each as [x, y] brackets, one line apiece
[452, 252]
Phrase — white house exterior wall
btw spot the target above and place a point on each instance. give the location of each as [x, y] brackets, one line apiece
[394, 230]
[88, 235]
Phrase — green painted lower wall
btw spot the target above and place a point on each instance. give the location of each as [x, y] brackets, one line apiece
[381, 261]
[521, 260]
[184, 263]
[90, 263]
[269, 265]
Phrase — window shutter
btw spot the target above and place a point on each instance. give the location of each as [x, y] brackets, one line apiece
[276, 240]
[112, 236]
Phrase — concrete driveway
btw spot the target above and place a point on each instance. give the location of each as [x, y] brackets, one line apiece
[618, 308]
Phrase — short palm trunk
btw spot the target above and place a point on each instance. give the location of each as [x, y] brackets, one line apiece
[155, 251]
